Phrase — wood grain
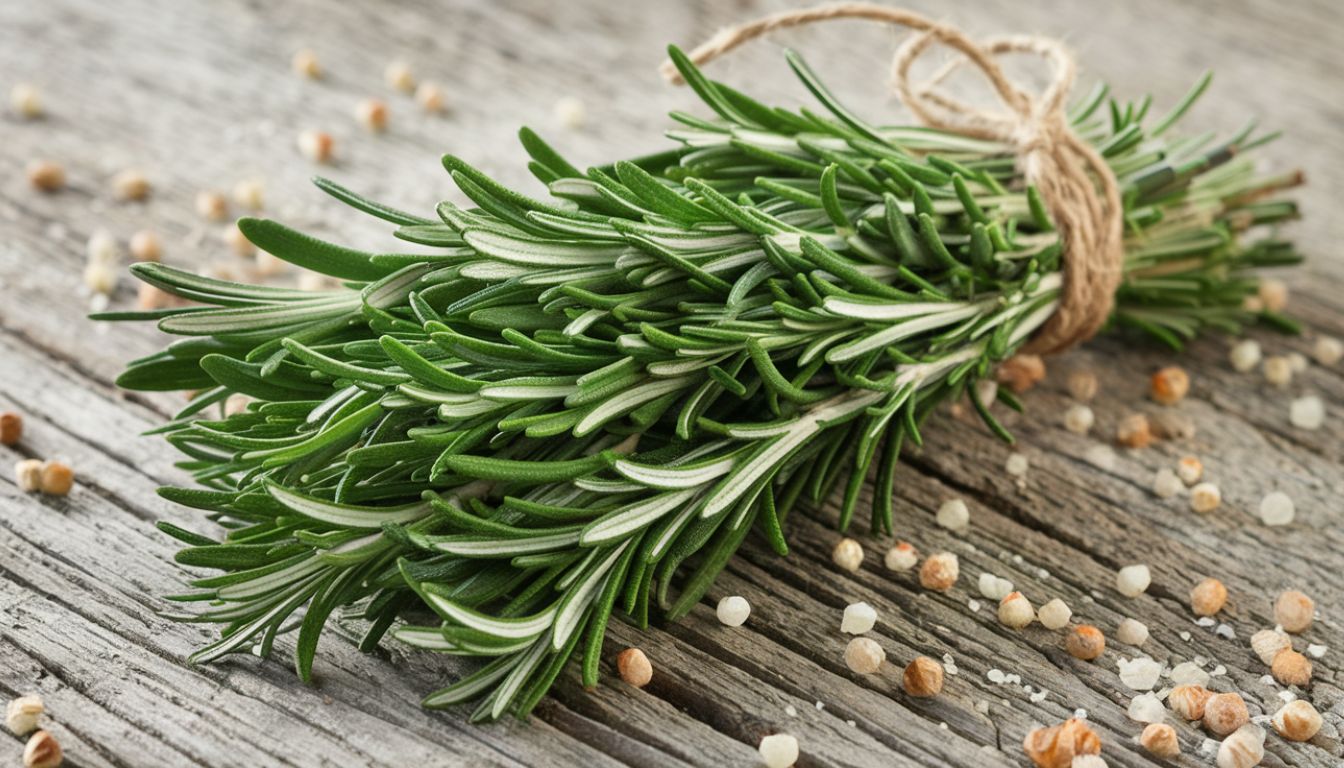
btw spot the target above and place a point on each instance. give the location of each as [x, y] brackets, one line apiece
[200, 96]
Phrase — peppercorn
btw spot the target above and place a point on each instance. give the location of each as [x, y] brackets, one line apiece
[923, 678]
[634, 667]
[1085, 642]
[939, 571]
[11, 428]
[1208, 597]
[1170, 385]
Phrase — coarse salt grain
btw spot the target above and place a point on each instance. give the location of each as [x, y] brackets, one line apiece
[733, 610]
[1205, 497]
[953, 515]
[1016, 465]
[570, 113]
[1276, 508]
[1132, 632]
[1133, 580]
[1328, 350]
[1146, 708]
[1054, 614]
[26, 100]
[1307, 412]
[994, 588]
[1245, 355]
[1189, 673]
[1316, 651]
[779, 750]
[1079, 419]
[901, 557]
[1167, 483]
[858, 618]
[1101, 456]
[1139, 674]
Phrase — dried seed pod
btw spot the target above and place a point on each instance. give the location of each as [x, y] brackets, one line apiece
[1189, 701]
[901, 557]
[1021, 372]
[1208, 597]
[939, 571]
[11, 428]
[42, 751]
[1015, 611]
[848, 554]
[28, 475]
[1170, 385]
[23, 713]
[1244, 748]
[57, 478]
[1298, 720]
[1291, 668]
[1056, 746]
[1225, 713]
[634, 667]
[1294, 611]
[1085, 642]
[46, 176]
[864, 655]
[1082, 385]
[1133, 431]
[1160, 741]
[1268, 643]
[923, 678]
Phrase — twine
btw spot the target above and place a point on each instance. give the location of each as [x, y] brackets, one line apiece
[1075, 183]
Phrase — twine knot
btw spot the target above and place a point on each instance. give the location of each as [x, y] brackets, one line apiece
[1074, 181]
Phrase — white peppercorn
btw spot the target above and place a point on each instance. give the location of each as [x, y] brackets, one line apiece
[864, 656]
[1133, 580]
[848, 554]
[1205, 497]
[1054, 614]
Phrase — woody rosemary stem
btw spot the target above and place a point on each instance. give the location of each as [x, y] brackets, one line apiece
[582, 406]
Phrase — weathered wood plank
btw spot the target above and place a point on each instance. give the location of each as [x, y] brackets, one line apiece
[158, 86]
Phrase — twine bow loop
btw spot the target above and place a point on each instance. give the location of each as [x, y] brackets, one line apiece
[1074, 181]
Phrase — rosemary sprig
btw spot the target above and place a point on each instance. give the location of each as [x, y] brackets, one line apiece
[571, 405]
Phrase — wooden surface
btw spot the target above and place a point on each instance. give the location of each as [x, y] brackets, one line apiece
[200, 96]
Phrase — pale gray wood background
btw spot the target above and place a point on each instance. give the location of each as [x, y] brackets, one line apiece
[200, 95]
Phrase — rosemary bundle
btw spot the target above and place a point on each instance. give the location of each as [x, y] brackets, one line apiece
[582, 406]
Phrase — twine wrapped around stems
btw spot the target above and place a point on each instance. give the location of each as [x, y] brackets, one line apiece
[1074, 180]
